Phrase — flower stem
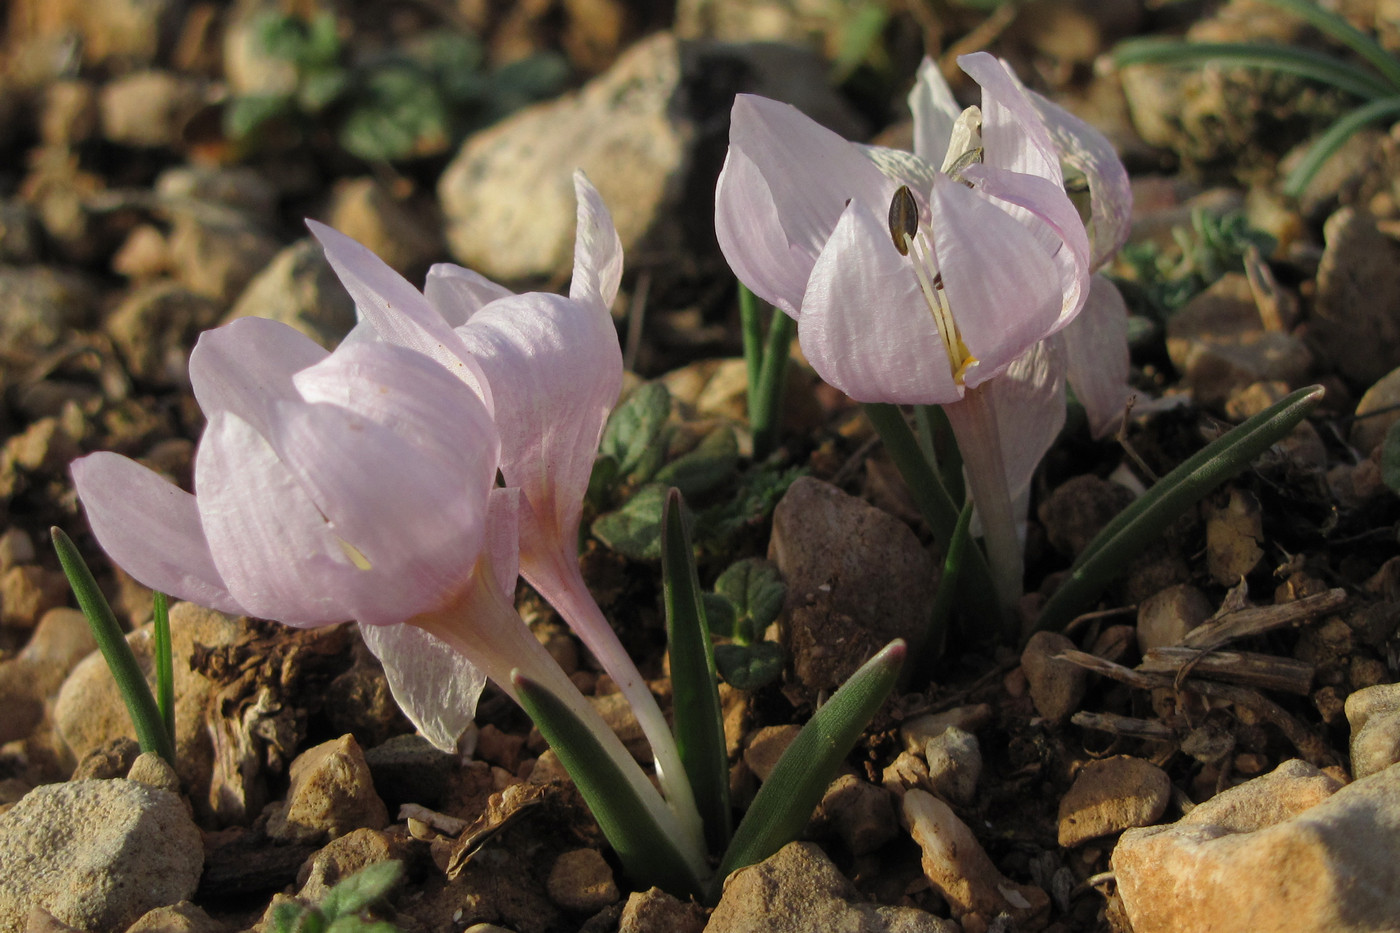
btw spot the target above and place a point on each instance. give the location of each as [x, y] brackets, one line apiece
[975, 426]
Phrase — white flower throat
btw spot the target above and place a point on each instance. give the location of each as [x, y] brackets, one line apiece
[964, 149]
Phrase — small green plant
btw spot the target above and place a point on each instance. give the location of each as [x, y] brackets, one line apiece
[1376, 83]
[416, 101]
[1166, 279]
[154, 721]
[342, 909]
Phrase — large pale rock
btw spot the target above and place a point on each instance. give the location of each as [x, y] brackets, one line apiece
[1374, 716]
[28, 680]
[797, 890]
[1289, 852]
[89, 711]
[331, 794]
[857, 577]
[96, 854]
[649, 133]
[299, 289]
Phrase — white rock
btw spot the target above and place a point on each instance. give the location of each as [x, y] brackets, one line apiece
[1374, 715]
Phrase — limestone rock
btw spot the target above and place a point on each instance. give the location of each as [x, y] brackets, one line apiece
[96, 854]
[954, 764]
[857, 578]
[183, 917]
[343, 857]
[1056, 686]
[1110, 795]
[1166, 617]
[156, 327]
[299, 289]
[655, 911]
[797, 890]
[1289, 852]
[917, 732]
[857, 812]
[957, 866]
[1356, 323]
[403, 233]
[1378, 409]
[1374, 716]
[331, 793]
[581, 881]
[27, 681]
[148, 108]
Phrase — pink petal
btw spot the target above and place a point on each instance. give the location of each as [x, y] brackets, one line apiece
[935, 111]
[435, 685]
[597, 249]
[865, 325]
[271, 545]
[784, 185]
[1014, 136]
[1047, 212]
[151, 529]
[1028, 402]
[1096, 347]
[246, 367]
[1110, 192]
[556, 370]
[398, 311]
[458, 293]
[1005, 292]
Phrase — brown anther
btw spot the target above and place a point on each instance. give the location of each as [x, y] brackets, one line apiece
[904, 219]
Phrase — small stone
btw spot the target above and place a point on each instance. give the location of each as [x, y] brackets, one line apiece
[153, 771]
[218, 257]
[954, 764]
[1290, 852]
[798, 890]
[1378, 409]
[1358, 286]
[915, 733]
[856, 578]
[408, 769]
[148, 108]
[39, 306]
[858, 813]
[1374, 716]
[766, 747]
[96, 854]
[343, 857]
[1234, 532]
[1078, 510]
[155, 329]
[69, 114]
[299, 288]
[655, 911]
[331, 793]
[183, 917]
[400, 232]
[33, 677]
[1166, 617]
[1056, 687]
[958, 868]
[1110, 795]
[582, 881]
[111, 759]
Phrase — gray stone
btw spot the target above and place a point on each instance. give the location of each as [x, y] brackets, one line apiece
[954, 764]
[797, 890]
[856, 576]
[38, 306]
[299, 289]
[96, 854]
[1289, 852]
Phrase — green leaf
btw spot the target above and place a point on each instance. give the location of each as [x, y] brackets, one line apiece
[245, 115]
[296, 918]
[397, 113]
[1390, 457]
[713, 461]
[721, 613]
[1283, 58]
[927, 650]
[526, 80]
[633, 433]
[757, 591]
[164, 664]
[1143, 522]
[699, 724]
[362, 889]
[635, 529]
[320, 88]
[136, 693]
[786, 800]
[648, 854]
[748, 667]
[1330, 141]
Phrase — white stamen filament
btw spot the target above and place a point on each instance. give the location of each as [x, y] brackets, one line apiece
[931, 284]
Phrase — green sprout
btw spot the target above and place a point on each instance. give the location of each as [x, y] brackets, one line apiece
[342, 909]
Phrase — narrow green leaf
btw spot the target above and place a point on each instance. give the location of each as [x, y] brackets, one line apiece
[1390, 458]
[649, 855]
[751, 327]
[786, 800]
[1334, 25]
[1330, 141]
[164, 664]
[1143, 522]
[136, 693]
[699, 723]
[765, 415]
[976, 592]
[361, 889]
[1285, 58]
[925, 652]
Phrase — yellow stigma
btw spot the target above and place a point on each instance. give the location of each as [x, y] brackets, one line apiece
[904, 230]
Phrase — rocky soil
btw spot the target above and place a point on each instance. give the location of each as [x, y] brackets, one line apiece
[1214, 748]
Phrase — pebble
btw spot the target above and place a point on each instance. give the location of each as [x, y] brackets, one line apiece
[915, 733]
[40, 306]
[1378, 409]
[28, 592]
[218, 256]
[1234, 532]
[155, 328]
[639, 131]
[1358, 286]
[857, 577]
[148, 109]
[1218, 343]
[1056, 687]
[31, 678]
[96, 854]
[958, 868]
[797, 890]
[153, 771]
[581, 880]
[184, 917]
[954, 764]
[343, 857]
[19, 233]
[331, 793]
[655, 911]
[1110, 795]
[1289, 852]
[402, 232]
[1374, 716]
[298, 288]
[1078, 510]
[857, 812]
[408, 769]
[1166, 617]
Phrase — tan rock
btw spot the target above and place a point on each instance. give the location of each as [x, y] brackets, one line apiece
[1289, 852]
[655, 911]
[766, 747]
[916, 732]
[1374, 716]
[857, 812]
[343, 857]
[1165, 617]
[331, 794]
[1056, 686]
[1110, 795]
[582, 881]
